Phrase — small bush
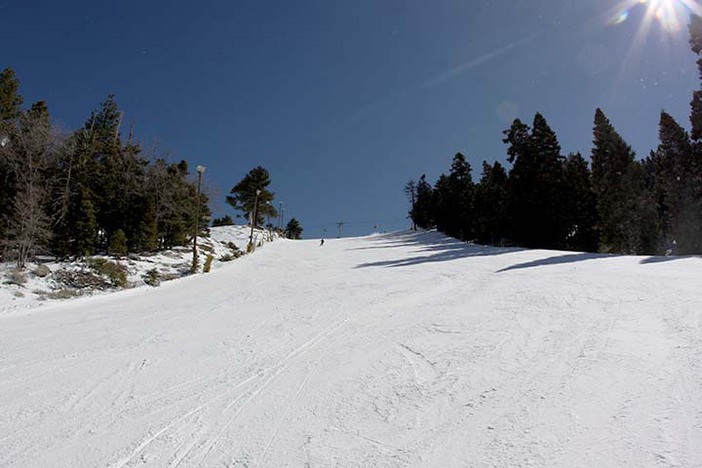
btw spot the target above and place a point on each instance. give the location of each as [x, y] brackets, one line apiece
[18, 294]
[17, 277]
[42, 271]
[208, 264]
[116, 273]
[227, 258]
[152, 277]
[117, 245]
[64, 293]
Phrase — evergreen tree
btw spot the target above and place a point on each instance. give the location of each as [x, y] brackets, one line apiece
[117, 245]
[491, 203]
[537, 184]
[225, 220]
[243, 195]
[677, 189]
[423, 212]
[626, 215]
[696, 104]
[579, 205]
[293, 230]
[10, 100]
[453, 200]
[411, 193]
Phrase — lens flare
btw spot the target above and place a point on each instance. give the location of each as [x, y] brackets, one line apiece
[671, 15]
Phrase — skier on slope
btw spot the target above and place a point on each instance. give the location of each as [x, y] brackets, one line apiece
[321, 242]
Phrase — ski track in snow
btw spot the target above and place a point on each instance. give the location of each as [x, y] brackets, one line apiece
[399, 350]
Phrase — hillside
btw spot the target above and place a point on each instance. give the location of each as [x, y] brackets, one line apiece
[393, 350]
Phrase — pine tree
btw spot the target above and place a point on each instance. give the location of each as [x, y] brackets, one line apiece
[579, 206]
[491, 203]
[536, 185]
[677, 187]
[243, 195]
[411, 193]
[10, 100]
[423, 214]
[117, 245]
[225, 220]
[293, 230]
[626, 215]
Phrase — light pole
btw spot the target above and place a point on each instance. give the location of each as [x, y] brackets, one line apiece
[200, 170]
[270, 226]
[280, 217]
[251, 247]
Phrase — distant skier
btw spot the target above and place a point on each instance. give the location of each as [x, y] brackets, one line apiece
[321, 242]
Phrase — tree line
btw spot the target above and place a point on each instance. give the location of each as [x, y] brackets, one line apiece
[70, 195]
[615, 203]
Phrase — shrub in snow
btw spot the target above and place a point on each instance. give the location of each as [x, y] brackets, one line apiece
[80, 279]
[17, 277]
[65, 293]
[42, 271]
[152, 277]
[117, 245]
[116, 273]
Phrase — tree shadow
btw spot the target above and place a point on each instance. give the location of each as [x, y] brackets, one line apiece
[557, 260]
[664, 259]
[439, 247]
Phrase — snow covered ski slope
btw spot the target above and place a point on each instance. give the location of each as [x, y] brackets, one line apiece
[387, 351]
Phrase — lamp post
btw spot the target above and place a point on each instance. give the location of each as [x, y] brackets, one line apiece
[251, 247]
[280, 217]
[270, 227]
[200, 171]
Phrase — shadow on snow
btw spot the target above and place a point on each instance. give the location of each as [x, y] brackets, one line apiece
[441, 248]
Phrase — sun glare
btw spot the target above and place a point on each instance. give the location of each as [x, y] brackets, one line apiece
[671, 15]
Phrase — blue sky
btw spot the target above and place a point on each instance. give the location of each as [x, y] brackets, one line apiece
[344, 101]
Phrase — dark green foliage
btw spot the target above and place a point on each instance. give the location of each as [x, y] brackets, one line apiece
[10, 100]
[225, 220]
[491, 203]
[626, 214]
[294, 229]
[675, 173]
[580, 206]
[411, 193]
[537, 184]
[243, 195]
[453, 200]
[152, 277]
[113, 271]
[117, 245]
[423, 212]
[86, 191]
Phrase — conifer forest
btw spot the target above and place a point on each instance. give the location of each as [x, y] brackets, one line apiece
[615, 203]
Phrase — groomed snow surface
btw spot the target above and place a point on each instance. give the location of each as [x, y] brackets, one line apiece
[386, 351]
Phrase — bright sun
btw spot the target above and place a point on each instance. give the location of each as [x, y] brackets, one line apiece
[670, 14]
